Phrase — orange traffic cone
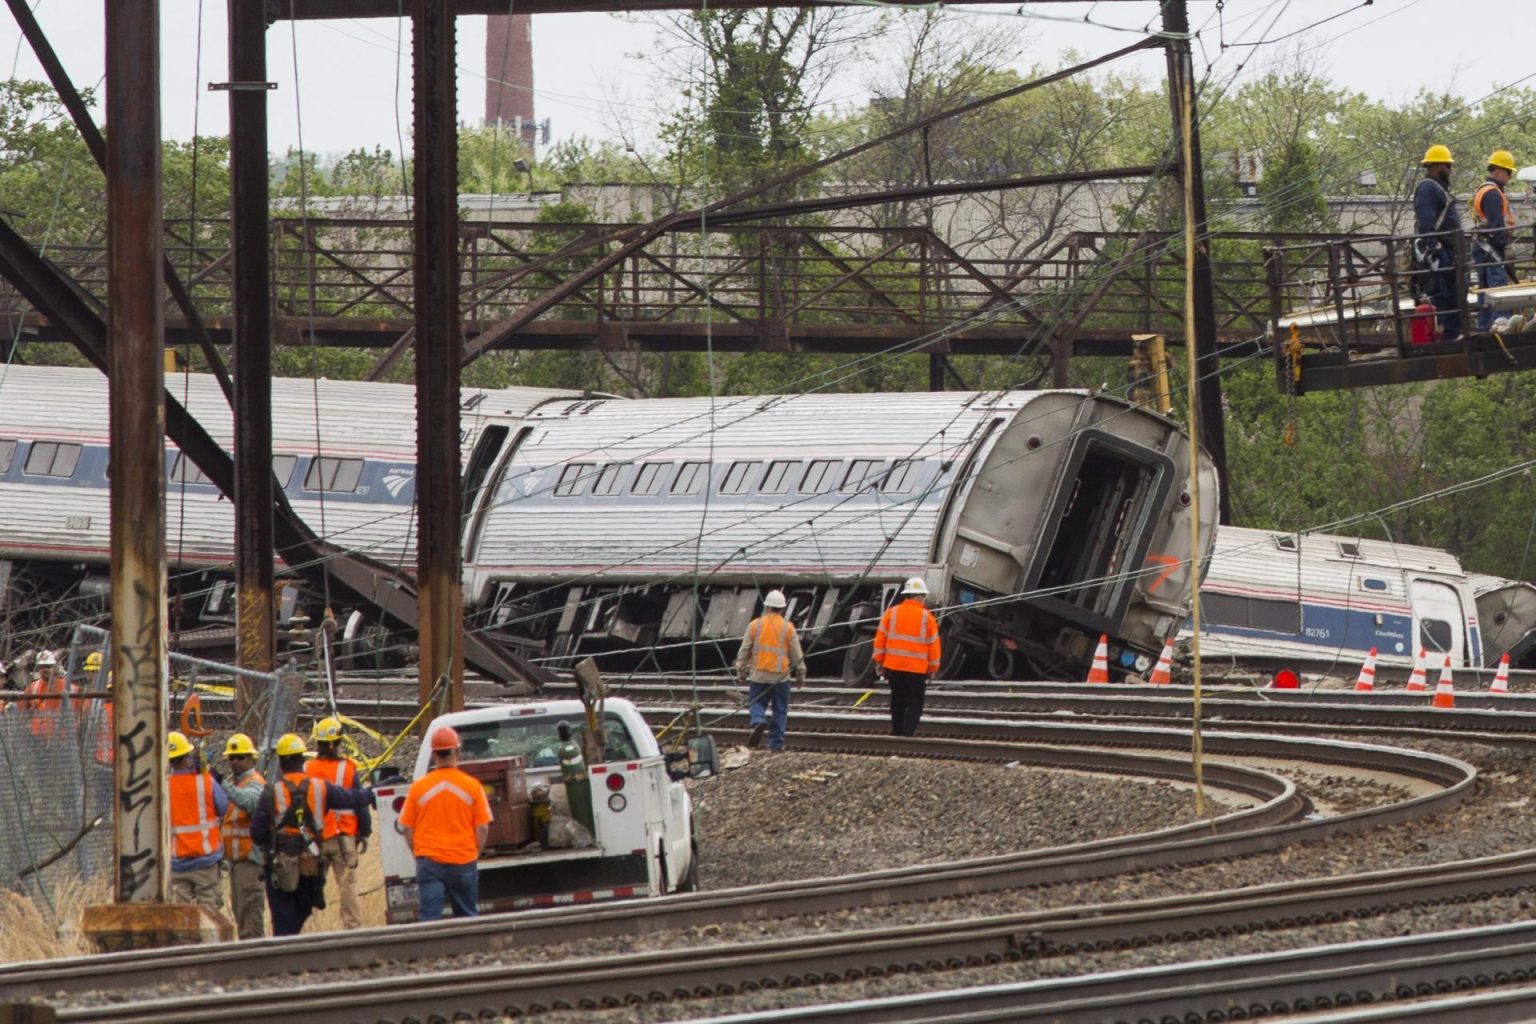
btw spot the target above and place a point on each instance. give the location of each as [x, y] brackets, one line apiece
[1445, 690]
[1099, 672]
[1500, 682]
[1367, 681]
[1418, 682]
[1162, 675]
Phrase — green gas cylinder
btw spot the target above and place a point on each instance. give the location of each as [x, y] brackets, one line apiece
[573, 771]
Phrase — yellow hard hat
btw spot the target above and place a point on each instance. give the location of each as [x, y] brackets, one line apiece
[93, 661]
[177, 745]
[1437, 154]
[1502, 158]
[291, 743]
[239, 745]
[327, 730]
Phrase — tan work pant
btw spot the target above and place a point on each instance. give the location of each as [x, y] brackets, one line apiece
[248, 898]
[339, 856]
[200, 885]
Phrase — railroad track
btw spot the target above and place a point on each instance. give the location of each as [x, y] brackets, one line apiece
[1268, 824]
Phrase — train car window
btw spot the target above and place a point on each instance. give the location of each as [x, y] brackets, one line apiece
[1435, 635]
[282, 468]
[648, 480]
[50, 458]
[185, 471]
[7, 455]
[776, 480]
[573, 479]
[1250, 612]
[820, 476]
[1287, 543]
[610, 481]
[1377, 585]
[738, 479]
[335, 475]
[901, 479]
[1349, 549]
[691, 478]
[861, 473]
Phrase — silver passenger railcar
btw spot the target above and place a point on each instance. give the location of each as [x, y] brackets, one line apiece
[1039, 520]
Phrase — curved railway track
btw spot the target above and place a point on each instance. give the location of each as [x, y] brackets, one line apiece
[1270, 822]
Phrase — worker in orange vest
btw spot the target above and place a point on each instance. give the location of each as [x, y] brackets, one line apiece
[46, 714]
[246, 898]
[346, 831]
[769, 652]
[198, 804]
[106, 731]
[447, 820]
[907, 654]
[287, 824]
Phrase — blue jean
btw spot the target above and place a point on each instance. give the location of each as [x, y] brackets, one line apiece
[1491, 275]
[460, 883]
[777, 695]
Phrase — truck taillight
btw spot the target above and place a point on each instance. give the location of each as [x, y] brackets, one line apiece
[398, 804]
[615, 781]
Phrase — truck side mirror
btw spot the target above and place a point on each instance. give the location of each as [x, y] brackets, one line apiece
[702, 763]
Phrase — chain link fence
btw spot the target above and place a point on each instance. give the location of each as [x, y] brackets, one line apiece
[56, 748]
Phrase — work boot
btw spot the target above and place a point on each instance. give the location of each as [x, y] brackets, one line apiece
[755, 737]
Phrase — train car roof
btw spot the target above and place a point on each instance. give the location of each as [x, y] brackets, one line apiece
[1320, 548]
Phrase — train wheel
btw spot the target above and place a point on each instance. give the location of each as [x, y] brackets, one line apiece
[859, 663]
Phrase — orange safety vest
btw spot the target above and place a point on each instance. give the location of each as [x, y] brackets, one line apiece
[194, 819]
[46, 713]
[908, 639]
[237, 823]
[770, 637]
[1477, 205]
[315, 798]
[342, 772]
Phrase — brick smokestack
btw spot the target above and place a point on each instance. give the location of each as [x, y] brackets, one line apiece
[509, 72]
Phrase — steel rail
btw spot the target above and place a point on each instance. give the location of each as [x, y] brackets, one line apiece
[1278, 801]
[720, 971]
[1269, 984]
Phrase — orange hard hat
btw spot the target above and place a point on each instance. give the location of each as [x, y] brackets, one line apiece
[444, 738]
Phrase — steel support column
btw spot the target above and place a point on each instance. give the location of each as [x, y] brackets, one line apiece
[136, 370]
[249, 244]
[1201, 320]
[439, 353]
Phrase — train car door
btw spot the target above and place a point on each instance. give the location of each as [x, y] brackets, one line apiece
[1439, 621]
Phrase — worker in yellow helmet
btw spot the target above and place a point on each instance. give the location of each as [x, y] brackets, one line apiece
[247, 895]
[1494, 225]
[345, 833]
[197, 807]
[1436, 223]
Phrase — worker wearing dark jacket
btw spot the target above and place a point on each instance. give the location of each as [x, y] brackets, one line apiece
[907, 654]
[1495, 222]
[288, 823]
[1437, 222]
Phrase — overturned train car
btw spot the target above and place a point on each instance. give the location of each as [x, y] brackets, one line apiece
[1039, 521]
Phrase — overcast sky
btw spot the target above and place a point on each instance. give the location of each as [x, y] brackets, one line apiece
[352, 84]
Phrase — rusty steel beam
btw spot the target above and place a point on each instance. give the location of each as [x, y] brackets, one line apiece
[1479, 356]
[255, 625]
[1201, 319]
[439, 350]
[136, 372]
[90, 134]
[314, 10]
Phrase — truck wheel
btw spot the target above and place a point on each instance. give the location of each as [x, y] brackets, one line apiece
[690, 881]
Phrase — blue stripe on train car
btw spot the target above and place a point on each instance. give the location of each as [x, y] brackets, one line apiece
[1336, 628]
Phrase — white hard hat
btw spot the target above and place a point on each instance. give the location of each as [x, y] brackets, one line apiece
[775, 599]
[45, 659]
[915, 586]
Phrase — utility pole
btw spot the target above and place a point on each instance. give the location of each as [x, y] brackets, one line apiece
[1200, 318]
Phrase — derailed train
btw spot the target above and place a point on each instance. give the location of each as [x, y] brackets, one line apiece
[646, 529]
[1320, 602]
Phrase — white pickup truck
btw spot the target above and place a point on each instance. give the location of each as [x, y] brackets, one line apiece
[642, 814]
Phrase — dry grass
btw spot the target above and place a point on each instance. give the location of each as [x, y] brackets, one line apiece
[43, 929]
[370, 891]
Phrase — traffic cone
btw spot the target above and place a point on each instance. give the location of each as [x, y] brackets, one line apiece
[1500, 682]
[1162, 675]
[1367, 681]
[1445, 690]
[1417, 682]
[1099, 672]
